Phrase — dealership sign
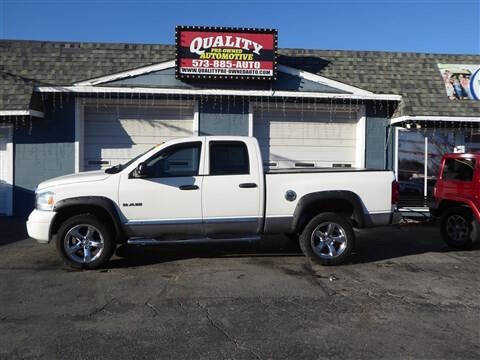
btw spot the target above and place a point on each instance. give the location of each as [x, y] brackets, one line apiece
[225, 53]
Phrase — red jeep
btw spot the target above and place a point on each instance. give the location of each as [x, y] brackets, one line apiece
[457, 199]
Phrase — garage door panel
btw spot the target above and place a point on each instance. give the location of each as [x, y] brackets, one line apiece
[114, 135]
[311, 153]
[308, 142]
[159, 112]
[295, 116]
[296, 136]
[110, 141]
[306, 131]
[138, 127]
[92, 150]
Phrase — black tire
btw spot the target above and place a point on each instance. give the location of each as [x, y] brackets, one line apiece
[100, 232]
[318, 253]
[459, 228]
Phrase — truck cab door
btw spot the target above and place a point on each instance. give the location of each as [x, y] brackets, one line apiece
[165, 199]
[232, 192]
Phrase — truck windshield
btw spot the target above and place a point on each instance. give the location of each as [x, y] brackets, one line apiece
[117, 168]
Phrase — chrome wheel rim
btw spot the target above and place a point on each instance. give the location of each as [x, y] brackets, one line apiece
[328, 240]
[457, 228]
[83, 243]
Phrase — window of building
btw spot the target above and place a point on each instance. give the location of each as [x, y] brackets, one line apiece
[228, 158]
[458, 169]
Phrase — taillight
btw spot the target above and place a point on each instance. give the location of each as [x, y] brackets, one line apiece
[395, 192]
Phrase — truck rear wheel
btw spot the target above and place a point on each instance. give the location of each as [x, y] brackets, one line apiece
[328, 239]
[459, 228]
[84, 242]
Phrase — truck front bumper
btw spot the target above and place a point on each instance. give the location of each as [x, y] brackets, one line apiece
[38, 225]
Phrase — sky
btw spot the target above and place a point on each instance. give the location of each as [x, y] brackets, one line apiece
[438, 26]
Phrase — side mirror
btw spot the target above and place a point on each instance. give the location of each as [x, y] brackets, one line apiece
[141, 170]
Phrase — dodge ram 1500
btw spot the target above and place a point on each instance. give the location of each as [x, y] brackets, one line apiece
[211, 188]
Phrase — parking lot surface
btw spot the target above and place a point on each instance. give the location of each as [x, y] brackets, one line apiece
[404, 294]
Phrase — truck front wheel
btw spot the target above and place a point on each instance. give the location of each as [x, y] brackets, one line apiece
[84, 242]
[459, 228]
[328, 239]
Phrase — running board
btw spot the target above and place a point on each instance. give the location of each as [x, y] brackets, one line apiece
[142, 241]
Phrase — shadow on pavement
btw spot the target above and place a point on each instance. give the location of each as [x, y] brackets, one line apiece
[12, 229]
[371, 246]
[134, 255]
[397, 241]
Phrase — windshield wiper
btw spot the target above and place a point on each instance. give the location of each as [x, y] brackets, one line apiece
[114, 169]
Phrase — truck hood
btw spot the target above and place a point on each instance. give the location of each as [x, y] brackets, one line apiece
[74, 178]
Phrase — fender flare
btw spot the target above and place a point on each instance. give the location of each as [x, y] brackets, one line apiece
[96, 201]
[330, 195]
[462, 202]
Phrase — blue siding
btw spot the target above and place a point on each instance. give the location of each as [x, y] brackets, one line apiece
[379, 140]
[46, 150]
[166, 78]
[376, 133]
[223, 118]
[161, 78]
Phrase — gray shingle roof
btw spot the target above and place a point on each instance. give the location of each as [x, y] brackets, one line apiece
[415, 76]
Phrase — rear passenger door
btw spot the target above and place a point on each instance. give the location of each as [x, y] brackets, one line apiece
[231, 191]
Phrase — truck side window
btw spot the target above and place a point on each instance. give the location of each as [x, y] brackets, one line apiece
[458, 169]
[228, 158]
[175, 161]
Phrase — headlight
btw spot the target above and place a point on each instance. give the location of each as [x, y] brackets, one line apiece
[45, 201]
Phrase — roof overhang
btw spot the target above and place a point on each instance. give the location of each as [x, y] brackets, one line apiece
[29, 112]
[88, 89]
[404, 120]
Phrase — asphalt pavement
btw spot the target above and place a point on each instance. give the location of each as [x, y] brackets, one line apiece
[404, 294]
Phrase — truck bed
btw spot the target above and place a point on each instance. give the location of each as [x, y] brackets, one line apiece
[373, 187]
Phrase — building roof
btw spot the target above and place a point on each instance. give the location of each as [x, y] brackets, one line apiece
[414, 76]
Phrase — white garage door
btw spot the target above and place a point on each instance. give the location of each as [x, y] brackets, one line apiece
[294, 138]
[113, 135]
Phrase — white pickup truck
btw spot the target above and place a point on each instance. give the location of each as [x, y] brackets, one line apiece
[210, 188]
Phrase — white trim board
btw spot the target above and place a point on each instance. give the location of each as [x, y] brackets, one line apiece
[434, 118]
[22, 113]
[128, 73]
[253, 93]
[196, 119]
[79, 134]
[360, 154]
[9, 173]
[250, 119]
[395, 154]
[322, 80]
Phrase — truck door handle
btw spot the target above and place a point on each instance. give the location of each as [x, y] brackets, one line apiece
[247, 185]
[188, 187]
